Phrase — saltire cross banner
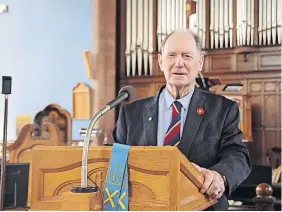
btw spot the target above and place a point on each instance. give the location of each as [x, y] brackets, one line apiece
[116, 185]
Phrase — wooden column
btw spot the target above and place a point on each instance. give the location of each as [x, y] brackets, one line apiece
[104, 61]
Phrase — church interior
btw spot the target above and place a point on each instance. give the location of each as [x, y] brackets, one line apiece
[68, 59]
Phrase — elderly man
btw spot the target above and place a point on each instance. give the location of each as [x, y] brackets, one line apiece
[203, 125]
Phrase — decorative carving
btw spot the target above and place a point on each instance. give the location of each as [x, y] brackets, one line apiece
[54, 114]
[98, 176]
[139, 191]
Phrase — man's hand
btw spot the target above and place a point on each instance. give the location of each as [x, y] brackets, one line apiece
[213, 184]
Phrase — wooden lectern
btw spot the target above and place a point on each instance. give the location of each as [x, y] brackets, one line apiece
[160, 178]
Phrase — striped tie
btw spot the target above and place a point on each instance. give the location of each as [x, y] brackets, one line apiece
[172, 135]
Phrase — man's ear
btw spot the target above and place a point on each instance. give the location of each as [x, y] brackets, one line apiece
[201, 62]
[160, 60]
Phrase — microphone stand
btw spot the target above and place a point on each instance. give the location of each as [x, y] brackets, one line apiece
[123, 95]
[84, 168]
[6, 89]
[3, 162]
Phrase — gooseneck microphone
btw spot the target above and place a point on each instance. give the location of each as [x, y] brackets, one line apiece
[127, 94]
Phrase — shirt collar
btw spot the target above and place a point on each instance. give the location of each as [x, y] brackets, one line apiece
[184, 101]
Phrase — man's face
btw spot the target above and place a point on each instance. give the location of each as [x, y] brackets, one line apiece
[180, 60]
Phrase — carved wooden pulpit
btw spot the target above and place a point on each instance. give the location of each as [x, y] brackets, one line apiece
[160, 178]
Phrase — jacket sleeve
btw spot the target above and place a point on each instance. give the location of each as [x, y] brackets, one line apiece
[234, 161]
[120, 130]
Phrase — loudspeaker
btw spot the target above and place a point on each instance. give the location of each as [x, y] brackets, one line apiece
[6, 84]
[16, 184]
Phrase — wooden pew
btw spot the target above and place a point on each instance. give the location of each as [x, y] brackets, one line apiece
[20, 150]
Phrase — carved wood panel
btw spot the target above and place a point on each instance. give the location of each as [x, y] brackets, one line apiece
[245, 62]
[266, 105]
[269, 59]
[221, 63]
[240, 60]
[51, 176]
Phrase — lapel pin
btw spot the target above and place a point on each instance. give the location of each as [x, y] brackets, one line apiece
[150, 118]
[200, 111]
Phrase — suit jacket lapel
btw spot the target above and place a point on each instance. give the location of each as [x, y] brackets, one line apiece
[150, 120]
[193, 121]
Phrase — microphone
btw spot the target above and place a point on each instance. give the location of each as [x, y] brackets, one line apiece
[127, 94]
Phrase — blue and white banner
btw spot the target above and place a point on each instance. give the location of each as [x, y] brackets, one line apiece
[116, 185]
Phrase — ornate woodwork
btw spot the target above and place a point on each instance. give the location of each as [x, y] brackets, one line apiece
[54, 114]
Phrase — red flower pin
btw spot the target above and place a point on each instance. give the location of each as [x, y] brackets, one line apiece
[200, 111]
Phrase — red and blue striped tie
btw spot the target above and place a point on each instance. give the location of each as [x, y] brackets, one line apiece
[172, 135]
